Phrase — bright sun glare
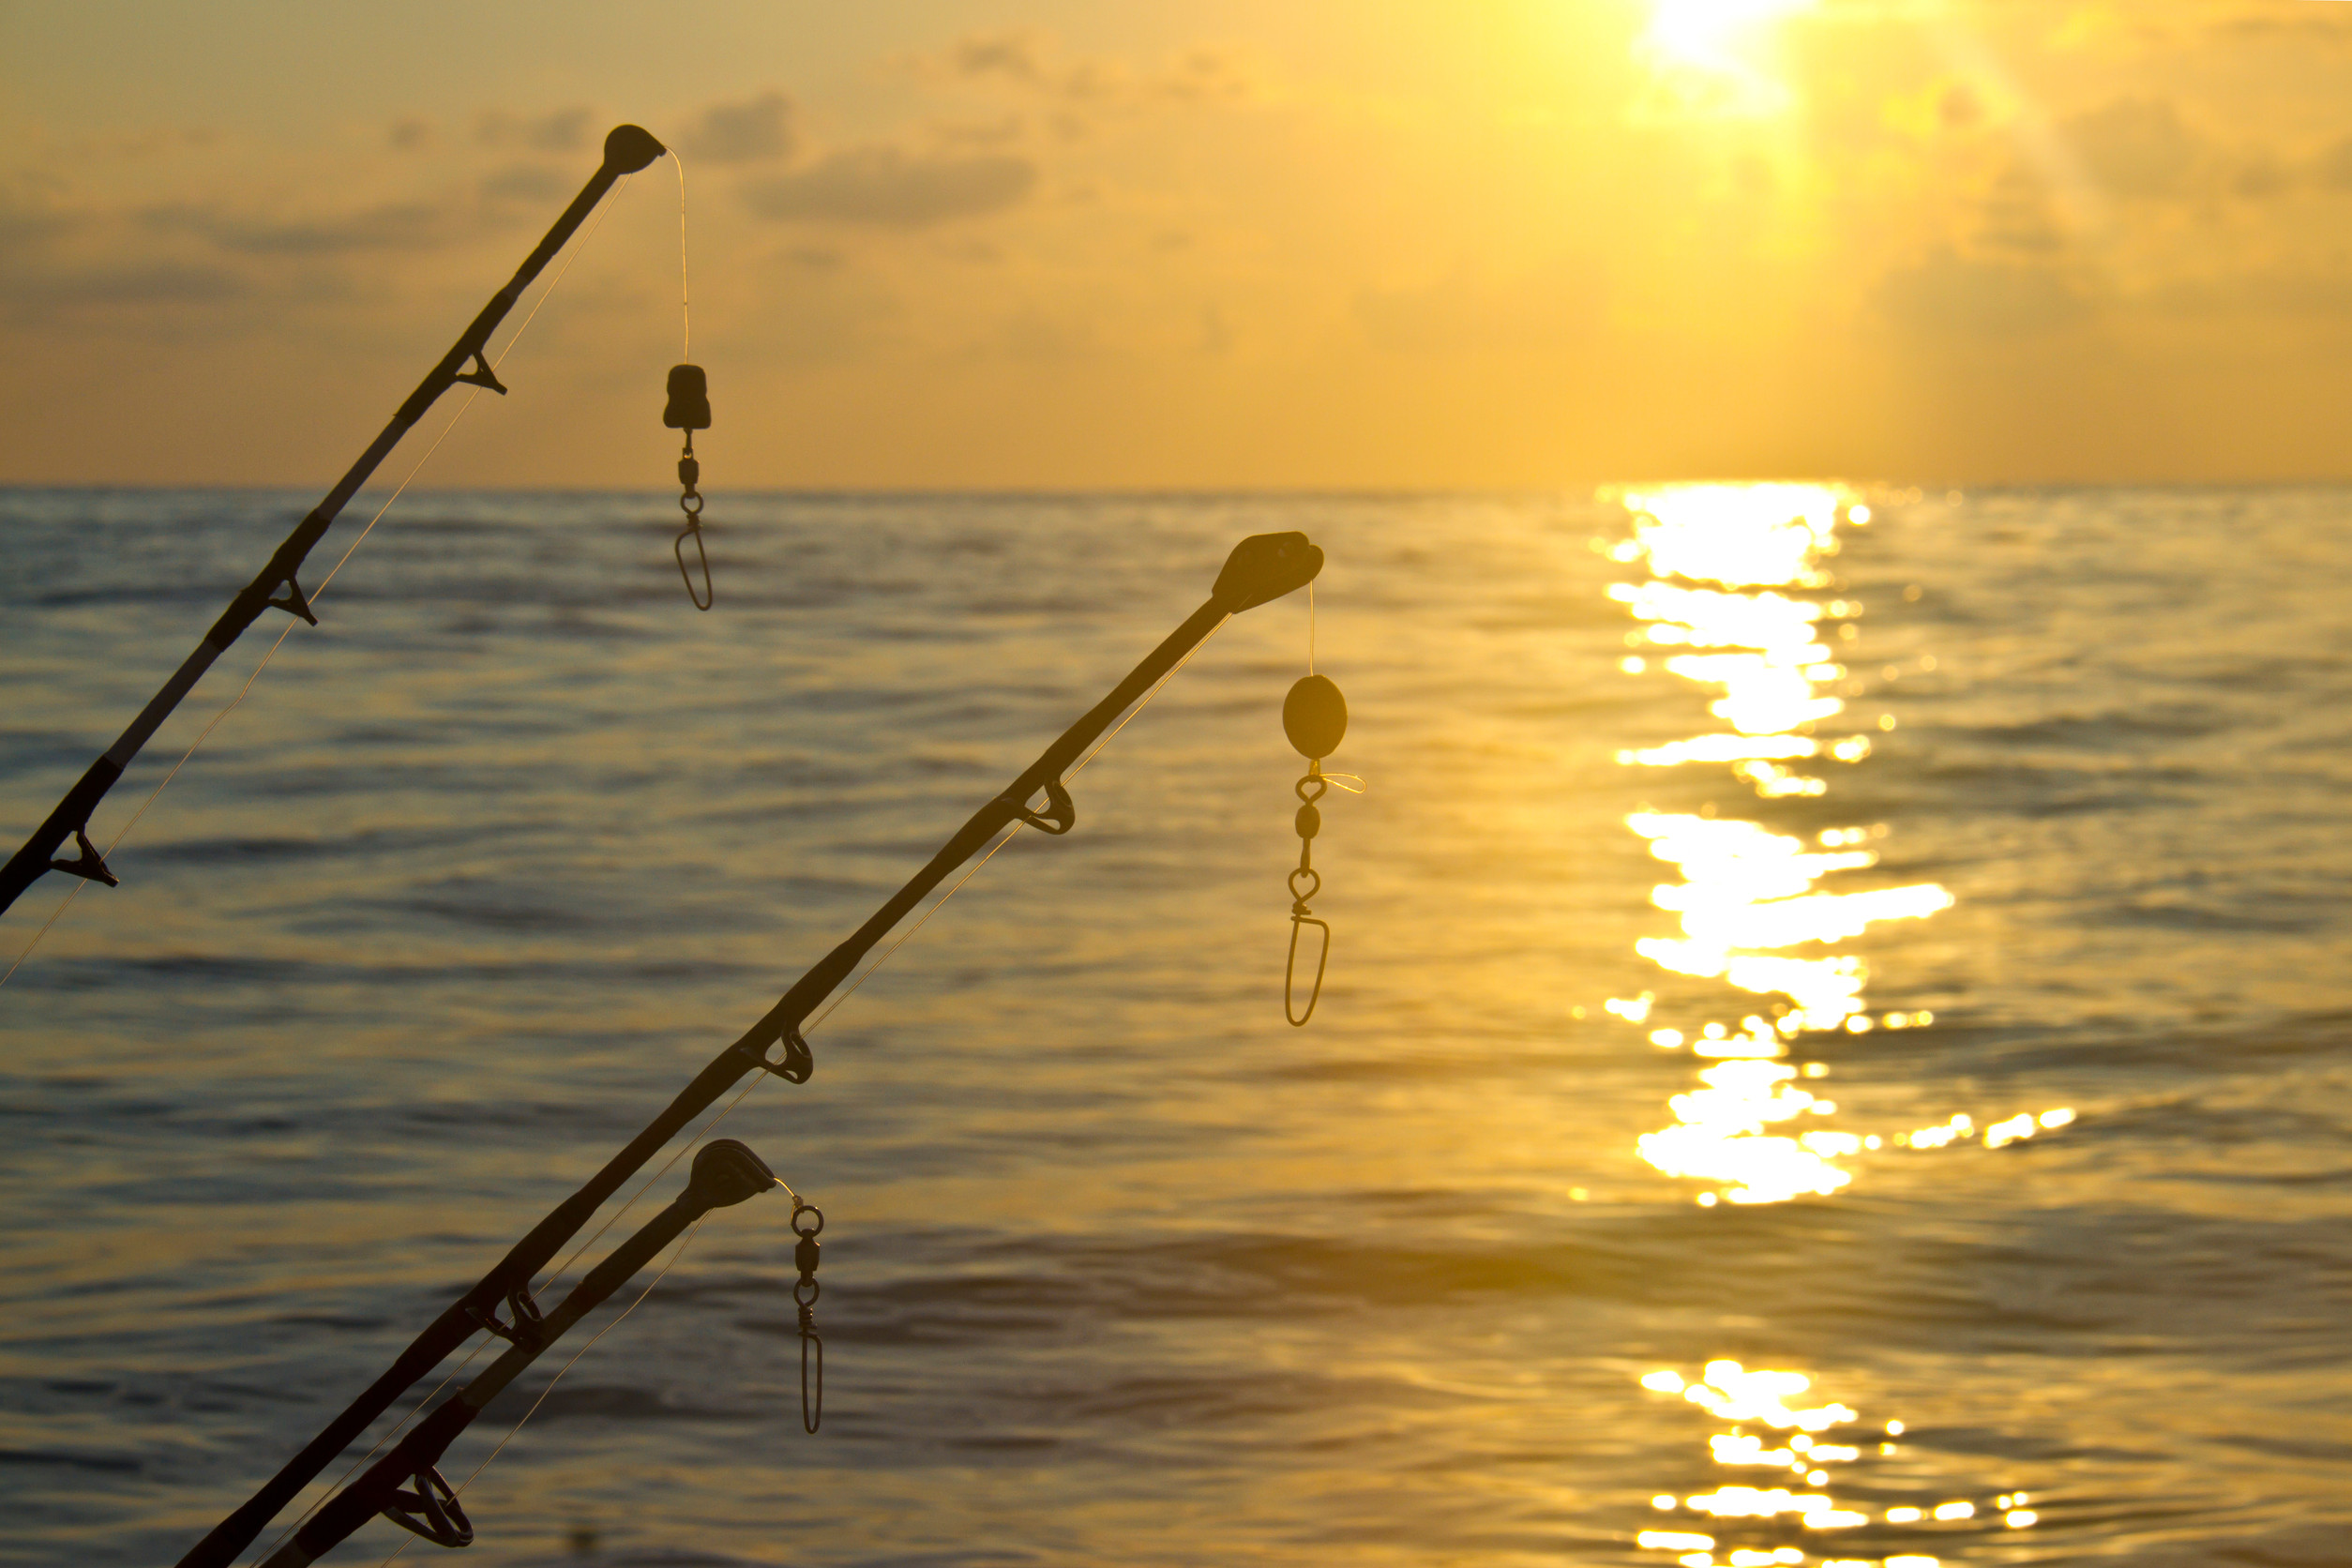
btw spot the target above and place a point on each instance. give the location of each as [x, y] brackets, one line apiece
[1706, 33]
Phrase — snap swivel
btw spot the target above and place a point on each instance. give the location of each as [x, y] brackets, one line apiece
[805, 1294]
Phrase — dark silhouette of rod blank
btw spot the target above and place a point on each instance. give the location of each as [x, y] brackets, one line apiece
[1261, 568]
[627, 149]
[724, 1173]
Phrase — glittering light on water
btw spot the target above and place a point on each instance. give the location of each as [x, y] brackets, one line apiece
[1721, 748]
[1733, 1448]
[1737, 535]
[1721, 1136]
[1712, 920]
[1713, 618]
[1773, 1399]
[1733, 1393]
[1673, 1540]
[1814, 1509]
[1959, 1128]
[1730, 566]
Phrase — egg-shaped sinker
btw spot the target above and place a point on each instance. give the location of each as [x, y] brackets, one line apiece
[1314, 717]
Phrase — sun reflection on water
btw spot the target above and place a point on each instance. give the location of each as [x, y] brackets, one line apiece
[1773, 913]
[1732, 571]
[1775, 1425]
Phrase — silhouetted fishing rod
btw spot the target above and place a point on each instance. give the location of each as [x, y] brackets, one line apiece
[406, 1485]
[627, 150]
[1261, 568]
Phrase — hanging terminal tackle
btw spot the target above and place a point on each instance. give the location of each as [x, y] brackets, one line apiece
[805, 1294]
[1314, 717]
[689, 409]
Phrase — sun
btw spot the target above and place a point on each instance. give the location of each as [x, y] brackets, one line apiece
[1713, 60]
[1708, 32]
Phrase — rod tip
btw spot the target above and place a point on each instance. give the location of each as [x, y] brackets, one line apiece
[726, 1172]
[1265, 567]
[629, 148]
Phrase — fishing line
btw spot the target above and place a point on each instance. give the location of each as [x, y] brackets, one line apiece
[317, 592]
[843, 995]
[681, 1252]
[685, 316]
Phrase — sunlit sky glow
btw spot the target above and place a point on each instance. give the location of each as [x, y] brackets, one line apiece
[1521, 242]
[1707, 32]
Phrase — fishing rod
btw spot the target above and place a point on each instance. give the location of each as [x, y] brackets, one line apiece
[406, 1485]
[627, 149]
[1262, 568]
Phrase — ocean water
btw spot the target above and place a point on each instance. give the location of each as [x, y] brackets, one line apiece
[1838, 1047]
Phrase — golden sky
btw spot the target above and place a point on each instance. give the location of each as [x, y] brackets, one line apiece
[1292, 242]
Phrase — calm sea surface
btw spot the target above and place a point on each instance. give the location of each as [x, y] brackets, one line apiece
[1838, 1045]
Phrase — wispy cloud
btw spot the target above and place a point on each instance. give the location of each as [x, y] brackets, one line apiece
[563, 131]
[391, 226]
[891, 188]
[747, 132]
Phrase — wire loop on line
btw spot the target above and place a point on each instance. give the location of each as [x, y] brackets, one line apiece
[693, 530]
[1290, 969]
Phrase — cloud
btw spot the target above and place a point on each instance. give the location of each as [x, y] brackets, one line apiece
[888, 188]
[2015, 216]
[410, 134]
[1029, 60]
[2134, 146]
[394, 226]
[1018, 56]
[2335, 165]
[1543, 313]
[1953, 296]
[527, 182]
[746, 132]
[2301, 26]
[22, 225]
[2259, 175]
[560, 131]
[1205, 76]
[2306, 295]
[160, 283]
